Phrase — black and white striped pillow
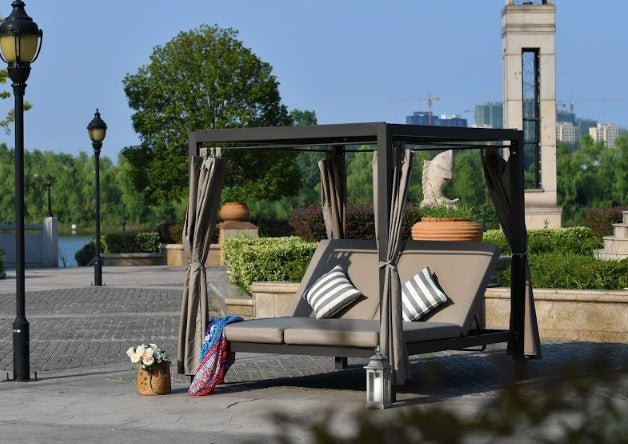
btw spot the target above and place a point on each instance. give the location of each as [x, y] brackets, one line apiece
[420, 295]
[331, 293]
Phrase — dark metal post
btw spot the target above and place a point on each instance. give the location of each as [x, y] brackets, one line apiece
[14, 31]
[97, 260]
[518, 267]
[48, 183]
[21, 328]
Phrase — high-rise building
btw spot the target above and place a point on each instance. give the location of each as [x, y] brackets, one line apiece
[565, 116]
[489, 115]
[567, 132]
[605, 132]
[424, 118]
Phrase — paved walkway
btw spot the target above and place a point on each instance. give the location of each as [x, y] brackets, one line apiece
[85, 391]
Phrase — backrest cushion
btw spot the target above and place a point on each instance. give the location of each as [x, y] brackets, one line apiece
[420, 295]
[462, 269]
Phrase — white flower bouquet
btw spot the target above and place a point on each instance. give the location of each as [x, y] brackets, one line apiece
[147, 357]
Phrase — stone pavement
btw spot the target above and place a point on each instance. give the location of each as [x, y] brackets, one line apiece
[85, 391]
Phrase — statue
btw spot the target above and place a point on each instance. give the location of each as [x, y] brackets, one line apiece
[436, 174]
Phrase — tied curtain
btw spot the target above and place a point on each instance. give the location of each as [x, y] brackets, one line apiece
[334, 193]
[206, 181]
[497, 175]
[391, 339]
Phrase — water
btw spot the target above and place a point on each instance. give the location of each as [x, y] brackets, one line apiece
[68, 246]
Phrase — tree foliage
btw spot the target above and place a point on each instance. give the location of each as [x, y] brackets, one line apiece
[205, 78]
[592, 175]
[73, 191]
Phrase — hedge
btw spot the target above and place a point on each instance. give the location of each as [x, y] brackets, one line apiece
[266, 259]
[308, 222]
[147, 242]
[574, 272]
[571, 240]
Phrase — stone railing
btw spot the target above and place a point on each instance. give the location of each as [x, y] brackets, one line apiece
[40, 241]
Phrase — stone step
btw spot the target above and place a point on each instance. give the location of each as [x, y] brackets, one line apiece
[621, 231]
[615, 245]
[601, 254]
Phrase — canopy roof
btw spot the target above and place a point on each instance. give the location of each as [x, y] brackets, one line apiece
[306, 137]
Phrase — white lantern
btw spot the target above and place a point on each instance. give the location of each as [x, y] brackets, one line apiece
[378, 382]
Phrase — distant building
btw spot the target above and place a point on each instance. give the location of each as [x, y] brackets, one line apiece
[565, 116]
[423, 118]
[585, 124]
[567, 132]
[605, 132]
[489, 115]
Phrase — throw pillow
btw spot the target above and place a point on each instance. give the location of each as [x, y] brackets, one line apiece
[420, 295]
[331, 293]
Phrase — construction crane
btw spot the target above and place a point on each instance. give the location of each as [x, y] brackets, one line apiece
[430, 99]
[571, 101]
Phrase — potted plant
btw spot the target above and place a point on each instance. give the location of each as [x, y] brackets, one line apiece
[153, 369]
[234, 208]
[447, 223]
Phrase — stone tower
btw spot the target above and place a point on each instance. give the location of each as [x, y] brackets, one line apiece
[529, 60]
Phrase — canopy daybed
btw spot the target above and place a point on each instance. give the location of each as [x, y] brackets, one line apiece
[377, 267]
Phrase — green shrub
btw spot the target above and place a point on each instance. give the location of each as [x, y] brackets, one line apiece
[87, 253]
[266, 259]
[119, 243]
[147, 242]
[308, 222]
[571, 240]
[574, 272]
[446, 212]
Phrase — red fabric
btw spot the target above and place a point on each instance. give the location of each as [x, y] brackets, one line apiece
[212, 369]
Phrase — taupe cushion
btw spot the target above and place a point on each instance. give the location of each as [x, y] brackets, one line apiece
[266, 331]
[463, 270]
[362, 333]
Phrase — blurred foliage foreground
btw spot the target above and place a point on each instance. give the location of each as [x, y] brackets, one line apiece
[581, 403]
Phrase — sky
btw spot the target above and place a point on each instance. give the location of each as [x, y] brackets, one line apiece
[348, 60]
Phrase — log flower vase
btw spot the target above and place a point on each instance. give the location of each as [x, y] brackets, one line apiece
[438, 229]
[155, 381]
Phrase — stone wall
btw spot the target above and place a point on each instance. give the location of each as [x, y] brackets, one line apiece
[568, 315]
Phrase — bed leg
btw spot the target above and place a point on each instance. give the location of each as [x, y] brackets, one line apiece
[393, 394]
[340, 362]
[521, 368]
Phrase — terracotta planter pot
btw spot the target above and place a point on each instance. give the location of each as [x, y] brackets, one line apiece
[234, 211]
[432, 228]
[155, 382]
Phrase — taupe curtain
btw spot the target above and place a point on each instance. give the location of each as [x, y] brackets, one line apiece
[206, 181]
[391, 339]
[497, 175]
[334, 193]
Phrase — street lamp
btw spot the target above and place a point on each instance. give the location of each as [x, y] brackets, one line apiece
[123, 222]
[97, 129]
[20, 42]
[48, 183]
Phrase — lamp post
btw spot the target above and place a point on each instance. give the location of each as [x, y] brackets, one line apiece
[123, 222]
[97, 129]
[20, 42]
[48, 183]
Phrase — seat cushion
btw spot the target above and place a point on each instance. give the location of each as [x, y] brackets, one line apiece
[266, 331]
[361, 333]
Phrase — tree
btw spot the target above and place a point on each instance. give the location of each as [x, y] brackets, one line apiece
[205, 78]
